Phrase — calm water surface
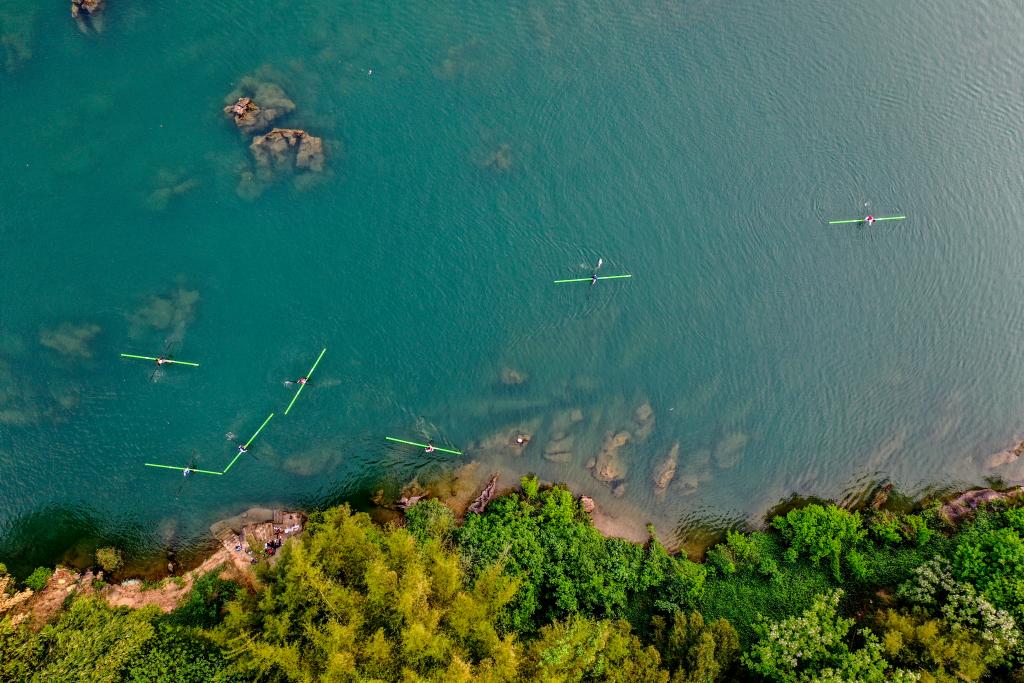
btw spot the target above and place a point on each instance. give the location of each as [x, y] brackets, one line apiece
[700, 146]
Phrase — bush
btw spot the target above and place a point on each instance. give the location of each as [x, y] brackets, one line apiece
[109, 559]
[205, 602]
[430, 519]
[813, 647]
[821, 533]
[531, 486]
[38, 579]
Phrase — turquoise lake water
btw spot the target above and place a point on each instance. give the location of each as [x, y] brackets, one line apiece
[476, 152]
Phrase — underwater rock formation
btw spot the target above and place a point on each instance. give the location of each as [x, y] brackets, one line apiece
[169, 312]
[609, 466]
[88, 14]
[730, 449]
[170, 184]
[643, 421]
[70, 340]
[500, 160]
[511, 376]
[665, 471]
[559, 448]
[16, 27]
[256, 104]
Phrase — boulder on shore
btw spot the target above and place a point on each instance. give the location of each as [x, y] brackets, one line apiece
[587, 504]
[964, 504]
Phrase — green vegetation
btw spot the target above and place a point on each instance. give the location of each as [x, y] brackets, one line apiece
[38, 579]
[109, 559]
[530, 591]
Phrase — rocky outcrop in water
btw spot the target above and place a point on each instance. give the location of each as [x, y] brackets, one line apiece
[256, 104]
[280, 153]
[88, 14]
[287, 149]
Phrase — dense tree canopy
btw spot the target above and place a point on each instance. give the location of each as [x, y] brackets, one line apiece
[530, 591]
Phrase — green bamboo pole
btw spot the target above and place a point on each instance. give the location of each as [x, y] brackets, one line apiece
[303, 386]
[423, 445]
[189, 469]
[253, 437]
[590, 279]
[166, 360]
[237, 456]
[863, 220]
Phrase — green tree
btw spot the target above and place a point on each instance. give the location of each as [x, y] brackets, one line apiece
[579, 649]
[821, 533]
[352, 601]
[693, 651]
[565, 565]
[813, 648]
[38, 579]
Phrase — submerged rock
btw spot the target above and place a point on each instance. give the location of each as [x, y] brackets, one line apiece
[170, 184]
[559, 449]
[643, 421]
[511, 376]
[609, 465]
[665, 471]
[730, 449]
[500, 160]
[171, 311]
[70, 340]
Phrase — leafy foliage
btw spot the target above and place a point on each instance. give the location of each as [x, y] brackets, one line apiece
[694, 651]
[38, 579]
[205, 602]
[813, 647]
[580, 649]
[565, 566]
[993, 560]
[109, 558]
[821, 533]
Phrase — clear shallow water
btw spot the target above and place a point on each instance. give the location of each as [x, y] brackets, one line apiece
[699, 145]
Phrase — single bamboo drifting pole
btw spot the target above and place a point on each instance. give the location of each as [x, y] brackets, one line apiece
[423, 445]
[865, 220]
[166, 360]
[303, 386]
[247, 443]
[183, 469]
[590, 279]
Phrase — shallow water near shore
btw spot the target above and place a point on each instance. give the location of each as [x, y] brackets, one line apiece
[700, 146]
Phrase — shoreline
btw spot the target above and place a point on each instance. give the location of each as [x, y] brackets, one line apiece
[236, 557]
